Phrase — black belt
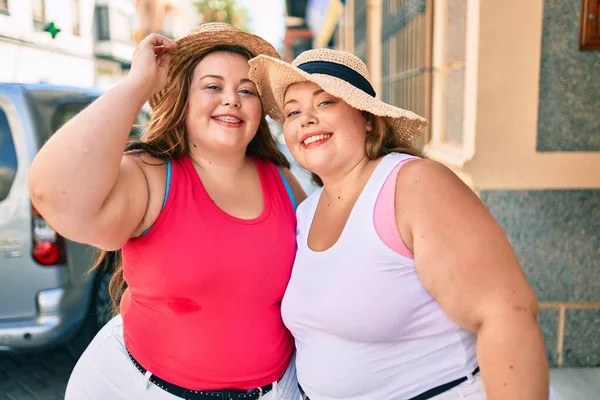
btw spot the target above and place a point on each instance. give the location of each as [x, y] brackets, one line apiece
[189, 394]
[443, 388]
[428, 394]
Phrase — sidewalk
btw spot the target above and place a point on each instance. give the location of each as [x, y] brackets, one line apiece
[576, 383]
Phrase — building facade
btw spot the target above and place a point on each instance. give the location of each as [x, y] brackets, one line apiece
[30, 54]
[114, 42]
[172, 18]
[513, 102]
[298, 36]
[82, 42]
[121, 24]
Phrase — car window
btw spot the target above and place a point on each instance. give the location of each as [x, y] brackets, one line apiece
[53, 108]
[65, 112]
[8, 157]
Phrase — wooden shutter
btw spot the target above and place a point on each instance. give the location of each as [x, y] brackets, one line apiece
[589, 29]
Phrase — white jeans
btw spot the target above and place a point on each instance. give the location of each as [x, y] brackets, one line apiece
[105, 371]
[471, 389]
[468, 390]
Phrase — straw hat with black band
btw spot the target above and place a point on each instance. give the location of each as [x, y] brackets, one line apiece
[205, 37]
[340, 74]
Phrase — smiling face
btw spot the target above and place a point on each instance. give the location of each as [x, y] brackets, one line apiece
[224, 109]
[324, 134]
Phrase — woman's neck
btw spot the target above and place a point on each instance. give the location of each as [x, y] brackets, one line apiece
[223, 165]
[346, 185]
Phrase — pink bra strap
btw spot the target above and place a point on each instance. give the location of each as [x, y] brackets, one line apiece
[385, 214]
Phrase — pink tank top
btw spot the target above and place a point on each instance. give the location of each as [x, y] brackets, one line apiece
[203, 306]
[364, 325]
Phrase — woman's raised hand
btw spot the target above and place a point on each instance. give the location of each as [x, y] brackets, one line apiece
[150, 62]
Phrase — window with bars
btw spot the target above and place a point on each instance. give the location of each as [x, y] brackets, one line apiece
[406, 55]
[113, 24]
[102, 23]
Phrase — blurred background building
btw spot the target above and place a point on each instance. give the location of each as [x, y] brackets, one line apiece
[82, 42]
[510, 90]
[28, 51]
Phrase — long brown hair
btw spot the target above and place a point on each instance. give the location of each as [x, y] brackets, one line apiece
[165, 139]
[381, 141]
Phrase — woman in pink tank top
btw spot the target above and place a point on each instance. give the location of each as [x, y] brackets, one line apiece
[404, 286]
[201, 211]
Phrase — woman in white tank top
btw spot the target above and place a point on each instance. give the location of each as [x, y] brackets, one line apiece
[404, 286]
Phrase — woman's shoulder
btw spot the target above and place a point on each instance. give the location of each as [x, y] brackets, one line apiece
[423, 170]
[431, 182]
[398, 155]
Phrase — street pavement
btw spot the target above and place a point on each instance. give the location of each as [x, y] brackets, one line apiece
[41, 376]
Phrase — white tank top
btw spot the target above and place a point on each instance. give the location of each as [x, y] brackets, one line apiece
[364, 325]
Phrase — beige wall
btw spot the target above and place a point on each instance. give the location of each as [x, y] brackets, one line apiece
[501, 104]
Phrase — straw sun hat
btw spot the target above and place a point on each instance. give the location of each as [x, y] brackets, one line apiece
[203, 38]
[340, 74]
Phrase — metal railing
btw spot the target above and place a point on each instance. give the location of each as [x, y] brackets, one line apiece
[406, 55]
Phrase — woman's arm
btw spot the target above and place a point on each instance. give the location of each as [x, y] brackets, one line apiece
[80, 180]
[465, 261]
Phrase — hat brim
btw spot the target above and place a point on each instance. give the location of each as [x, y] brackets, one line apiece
[194, 44]
[273, 76]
